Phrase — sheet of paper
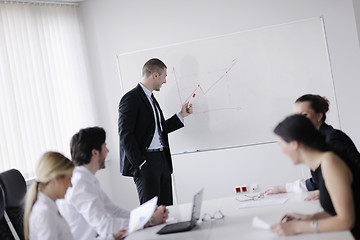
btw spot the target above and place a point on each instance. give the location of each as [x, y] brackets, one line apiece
[262, 202]
[141, 215]
[258, 223]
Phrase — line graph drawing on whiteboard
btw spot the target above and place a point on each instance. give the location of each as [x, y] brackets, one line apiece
[241, 84]
[197, 96]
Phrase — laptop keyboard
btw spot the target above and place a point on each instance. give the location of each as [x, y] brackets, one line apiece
[175, 227]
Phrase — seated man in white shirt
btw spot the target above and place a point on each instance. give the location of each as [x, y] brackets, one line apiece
[87, 209]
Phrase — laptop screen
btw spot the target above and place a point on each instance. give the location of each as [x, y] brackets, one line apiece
[196, 209]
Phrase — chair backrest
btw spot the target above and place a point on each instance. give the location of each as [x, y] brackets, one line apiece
[14, 189]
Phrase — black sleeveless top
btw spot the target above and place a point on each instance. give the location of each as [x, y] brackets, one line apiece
[326, 202]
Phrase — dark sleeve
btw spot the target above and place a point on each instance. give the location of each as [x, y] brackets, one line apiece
[311, 185]
[342, 145]
[339, 141]
[173, 123]
[128, 111]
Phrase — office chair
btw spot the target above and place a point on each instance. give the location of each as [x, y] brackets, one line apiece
[14, 188]
[2, 203]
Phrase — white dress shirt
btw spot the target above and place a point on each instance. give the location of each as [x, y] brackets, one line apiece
[297, 186]
[88, 210]
[45, 221]
[155, 142]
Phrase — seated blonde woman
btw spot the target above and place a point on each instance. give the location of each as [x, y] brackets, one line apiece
[41, 218]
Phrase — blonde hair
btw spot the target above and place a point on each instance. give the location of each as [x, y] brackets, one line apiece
[51, 165]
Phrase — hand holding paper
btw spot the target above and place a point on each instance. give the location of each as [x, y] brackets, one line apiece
[141, 215]
[160, 215]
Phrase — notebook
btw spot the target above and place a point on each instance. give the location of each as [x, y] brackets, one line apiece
[186, 225]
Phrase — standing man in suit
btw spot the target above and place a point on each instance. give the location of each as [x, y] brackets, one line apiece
[143, 132]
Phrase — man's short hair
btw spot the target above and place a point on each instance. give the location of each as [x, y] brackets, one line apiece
[83, 142]
[153, 65]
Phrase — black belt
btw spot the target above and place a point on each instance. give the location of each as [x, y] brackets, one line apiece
[156, 150]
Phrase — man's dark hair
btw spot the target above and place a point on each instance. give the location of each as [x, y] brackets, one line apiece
[153, 65]
[83, 142]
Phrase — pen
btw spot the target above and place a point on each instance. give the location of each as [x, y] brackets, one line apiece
[287, 219]
[191, 151]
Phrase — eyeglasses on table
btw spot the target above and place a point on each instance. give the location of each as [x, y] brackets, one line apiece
[249, 198]
[216, 216]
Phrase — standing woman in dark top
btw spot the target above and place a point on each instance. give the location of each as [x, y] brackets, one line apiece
[318, 106]
[337, 179]
[315, 107]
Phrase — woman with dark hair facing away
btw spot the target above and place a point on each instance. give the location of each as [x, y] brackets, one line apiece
[42, 219]
[315, 107]
[337, 179]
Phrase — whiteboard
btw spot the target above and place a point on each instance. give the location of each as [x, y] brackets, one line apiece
[241, 85]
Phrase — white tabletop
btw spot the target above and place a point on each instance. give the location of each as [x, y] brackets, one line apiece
[237, 223]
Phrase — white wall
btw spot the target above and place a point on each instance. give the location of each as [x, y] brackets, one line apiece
[113, 27]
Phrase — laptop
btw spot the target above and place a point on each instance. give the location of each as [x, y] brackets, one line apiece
[186, 225]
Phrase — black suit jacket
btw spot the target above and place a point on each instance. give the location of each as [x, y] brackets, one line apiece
[136, 127]
[341, 144]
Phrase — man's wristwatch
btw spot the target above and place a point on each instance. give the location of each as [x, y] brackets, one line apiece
[151, 222]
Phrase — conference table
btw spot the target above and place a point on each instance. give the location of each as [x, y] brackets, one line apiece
[238, 222]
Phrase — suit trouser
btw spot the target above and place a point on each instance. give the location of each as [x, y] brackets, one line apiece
[154, 179]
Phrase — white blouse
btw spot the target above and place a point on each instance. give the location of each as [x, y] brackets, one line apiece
[45, 221]
[297, 186]
[88, 210]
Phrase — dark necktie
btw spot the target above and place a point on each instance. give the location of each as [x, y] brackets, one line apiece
[157, 108]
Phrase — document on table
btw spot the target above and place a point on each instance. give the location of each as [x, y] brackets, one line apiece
[141, 215]
[258, 223]
[262, 202]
